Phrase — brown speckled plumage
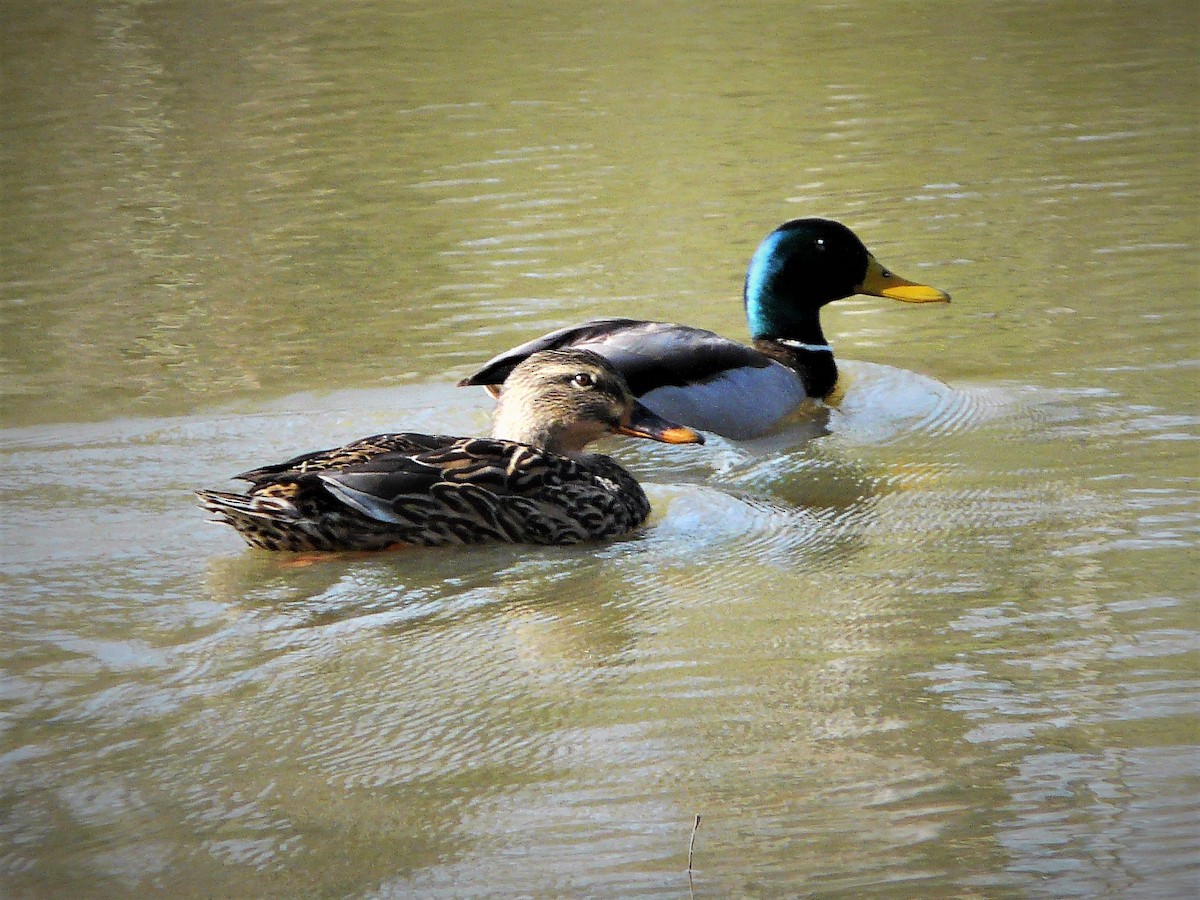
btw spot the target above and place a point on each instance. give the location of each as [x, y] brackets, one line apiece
[419, 489]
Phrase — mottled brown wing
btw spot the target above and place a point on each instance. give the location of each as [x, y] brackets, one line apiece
[380, 487]
[360, 451]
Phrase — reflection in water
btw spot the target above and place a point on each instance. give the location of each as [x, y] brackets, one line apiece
[444, 691]
[465, 699]
[938, 640]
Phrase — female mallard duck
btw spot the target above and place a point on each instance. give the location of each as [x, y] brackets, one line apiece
[530, 482]
[714, 384]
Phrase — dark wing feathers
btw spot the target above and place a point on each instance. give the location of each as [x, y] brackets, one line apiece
[369, 496]
[372, 487]
[380, 486]
[498, 368]
[364, 449]
[380, 482]
[649, 354]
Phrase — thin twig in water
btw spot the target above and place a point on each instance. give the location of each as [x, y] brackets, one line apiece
[692, 843]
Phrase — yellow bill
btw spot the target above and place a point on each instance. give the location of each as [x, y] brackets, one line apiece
[881, 282]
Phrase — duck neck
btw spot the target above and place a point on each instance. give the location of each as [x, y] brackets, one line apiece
[812, 361]
[508, 424]
[792, 335]
[773, 310]
[552, 436]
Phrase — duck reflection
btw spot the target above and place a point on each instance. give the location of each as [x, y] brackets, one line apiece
[419, 682]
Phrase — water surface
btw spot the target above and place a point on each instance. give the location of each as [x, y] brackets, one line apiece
[942, 641]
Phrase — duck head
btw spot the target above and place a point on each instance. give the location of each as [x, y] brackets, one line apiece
[804, 264]
[562, 400]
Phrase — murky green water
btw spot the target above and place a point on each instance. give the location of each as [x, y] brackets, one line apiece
[947, 648]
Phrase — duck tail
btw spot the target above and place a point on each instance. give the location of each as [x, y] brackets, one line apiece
[272, 523]
[243, 509]
[224, 503]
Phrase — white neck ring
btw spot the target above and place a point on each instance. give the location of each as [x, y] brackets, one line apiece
[800, 345]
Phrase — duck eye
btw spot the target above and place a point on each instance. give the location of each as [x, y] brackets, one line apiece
[583, 379]
[820, 243]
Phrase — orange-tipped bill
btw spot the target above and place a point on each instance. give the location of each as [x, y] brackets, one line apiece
[645, 424]
[881, 282]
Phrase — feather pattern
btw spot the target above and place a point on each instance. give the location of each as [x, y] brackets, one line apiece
[466, 491]
[429, 490]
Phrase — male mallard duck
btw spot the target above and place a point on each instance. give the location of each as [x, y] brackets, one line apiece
[530, 482]
[693, 376]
